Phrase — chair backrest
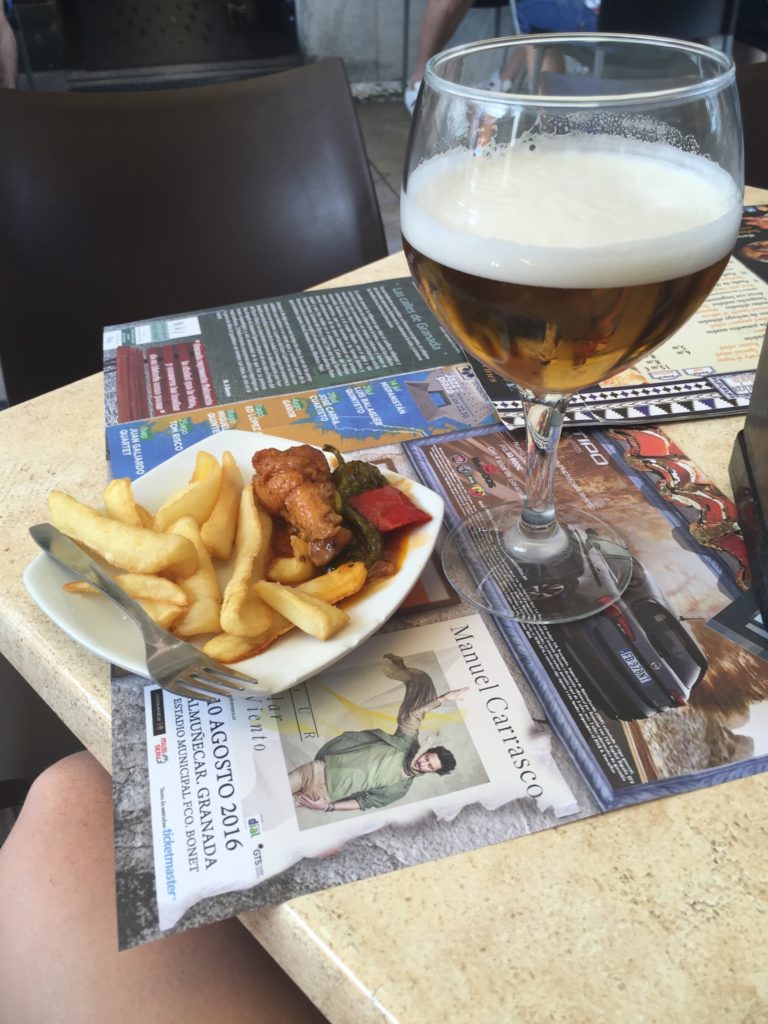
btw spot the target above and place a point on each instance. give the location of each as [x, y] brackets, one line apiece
[752, 83]
[677, 19]
[118, 207]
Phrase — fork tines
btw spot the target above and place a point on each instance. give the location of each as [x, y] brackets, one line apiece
[206, 682]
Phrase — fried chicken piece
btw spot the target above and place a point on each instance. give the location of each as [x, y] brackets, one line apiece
[296, 486]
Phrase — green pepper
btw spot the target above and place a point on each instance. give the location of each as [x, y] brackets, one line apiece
[366, 544]
[350, 478]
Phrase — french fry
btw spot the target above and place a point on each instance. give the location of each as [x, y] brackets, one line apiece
[121, 505]
[164, 613]
[290, 571]
[145, 517]
[293, 570]
[201, 588]
[333, 586]
[196, 499]
[133, 548]
[140, 587]
[299, 546]
[243, 613]
[218, 530]
[80, 587]
[311, 614]
[227, 648]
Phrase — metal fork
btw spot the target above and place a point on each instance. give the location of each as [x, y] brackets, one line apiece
[172, 663]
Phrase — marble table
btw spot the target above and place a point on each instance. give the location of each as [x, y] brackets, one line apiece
[656, 913]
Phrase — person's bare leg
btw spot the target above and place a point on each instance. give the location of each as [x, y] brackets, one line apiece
[58, 941]
[9, 60]
[440, 20]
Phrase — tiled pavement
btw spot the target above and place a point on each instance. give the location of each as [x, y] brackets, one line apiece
[385, 125]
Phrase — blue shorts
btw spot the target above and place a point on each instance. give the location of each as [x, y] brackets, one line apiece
[555, 16]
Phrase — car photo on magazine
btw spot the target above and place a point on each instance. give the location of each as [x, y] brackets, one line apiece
[638, 658]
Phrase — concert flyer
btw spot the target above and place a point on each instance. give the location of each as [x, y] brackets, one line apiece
[213, 809]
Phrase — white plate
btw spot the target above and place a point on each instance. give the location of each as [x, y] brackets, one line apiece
[100, 626]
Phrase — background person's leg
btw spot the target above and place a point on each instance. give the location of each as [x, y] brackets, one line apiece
[9, 60]
[58, 930]
[439, 21]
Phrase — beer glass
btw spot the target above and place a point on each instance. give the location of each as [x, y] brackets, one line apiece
[568, 202]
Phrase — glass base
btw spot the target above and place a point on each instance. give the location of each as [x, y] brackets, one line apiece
[588, 572]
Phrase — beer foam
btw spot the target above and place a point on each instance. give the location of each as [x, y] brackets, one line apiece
[595, 212]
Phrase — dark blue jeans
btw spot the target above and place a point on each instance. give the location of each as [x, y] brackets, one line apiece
[555, 16]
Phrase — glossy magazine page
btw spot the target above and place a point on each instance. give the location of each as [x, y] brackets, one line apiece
[652, 696]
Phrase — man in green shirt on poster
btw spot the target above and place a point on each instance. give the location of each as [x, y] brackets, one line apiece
[370, 768]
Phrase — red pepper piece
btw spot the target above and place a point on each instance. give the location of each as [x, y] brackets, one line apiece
[388, 508]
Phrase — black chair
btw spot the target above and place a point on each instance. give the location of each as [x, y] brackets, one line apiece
[752, 83]
[119, 207]
[677, 19]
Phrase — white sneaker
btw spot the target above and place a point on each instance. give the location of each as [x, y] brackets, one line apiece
[498, 84]
[410, 95]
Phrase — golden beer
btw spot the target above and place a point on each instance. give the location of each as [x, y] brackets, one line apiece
[553, 341]
[557, 295]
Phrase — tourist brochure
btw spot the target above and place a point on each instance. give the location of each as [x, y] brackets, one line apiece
[272, 347]
[364, 365]
[219, 807]
[352, 367]
[395, 409]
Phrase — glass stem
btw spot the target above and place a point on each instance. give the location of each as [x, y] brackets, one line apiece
[543, 423]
